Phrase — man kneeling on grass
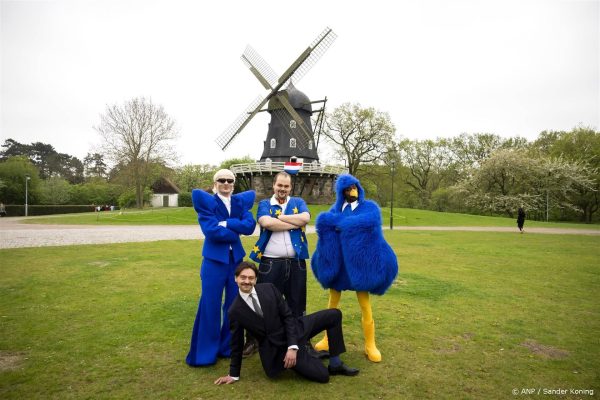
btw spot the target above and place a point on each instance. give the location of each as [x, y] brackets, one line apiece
[261, 310]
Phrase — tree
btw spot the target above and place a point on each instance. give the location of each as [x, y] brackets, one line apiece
[13, 148]
[194, 176]
[232, 161]
[13, 173]
[137, 135]
[48, 161]
[581, 145]
[428, 163]
[360, 135]
[469, 150]
[55, 190]
[94, 166]
[96, 191]
[510, 178]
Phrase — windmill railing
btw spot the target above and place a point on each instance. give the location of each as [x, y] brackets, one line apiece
[274, 167]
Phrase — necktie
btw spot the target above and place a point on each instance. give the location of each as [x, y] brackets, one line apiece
[347, 210]
[255, 305]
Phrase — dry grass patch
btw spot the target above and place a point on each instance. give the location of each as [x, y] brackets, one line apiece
[10, 360]
[545, 351]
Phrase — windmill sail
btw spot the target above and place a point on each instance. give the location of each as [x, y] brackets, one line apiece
[268, 78]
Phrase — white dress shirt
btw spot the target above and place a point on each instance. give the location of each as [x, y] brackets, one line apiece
[280, 243]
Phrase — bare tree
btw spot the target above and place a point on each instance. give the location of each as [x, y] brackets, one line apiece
[360, 135]
[137, 134]
[428, 164]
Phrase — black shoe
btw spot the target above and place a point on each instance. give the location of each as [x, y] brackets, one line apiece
[250, 348]
[343, 369]
[316, 354]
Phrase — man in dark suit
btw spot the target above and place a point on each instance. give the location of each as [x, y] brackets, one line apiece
[282, 338]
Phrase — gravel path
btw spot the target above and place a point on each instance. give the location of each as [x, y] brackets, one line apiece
[14, 234]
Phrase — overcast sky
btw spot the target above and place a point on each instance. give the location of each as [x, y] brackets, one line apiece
[439, 68]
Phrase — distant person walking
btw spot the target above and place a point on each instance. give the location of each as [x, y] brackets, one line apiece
[521, 219]
[2, 210]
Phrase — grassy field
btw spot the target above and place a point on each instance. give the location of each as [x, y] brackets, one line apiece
[186, 216]
[471, 315]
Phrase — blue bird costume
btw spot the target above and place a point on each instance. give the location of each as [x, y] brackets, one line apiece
[222, 252]
[352, 254]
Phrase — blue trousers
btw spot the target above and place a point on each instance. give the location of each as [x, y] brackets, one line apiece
[210, 337]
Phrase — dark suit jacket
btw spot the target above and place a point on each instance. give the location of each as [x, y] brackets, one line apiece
[275, 331]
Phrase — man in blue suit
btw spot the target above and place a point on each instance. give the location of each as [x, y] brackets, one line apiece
[223, 217]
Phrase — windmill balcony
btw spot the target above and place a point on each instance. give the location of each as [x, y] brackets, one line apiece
[275, 167]
[314, 182]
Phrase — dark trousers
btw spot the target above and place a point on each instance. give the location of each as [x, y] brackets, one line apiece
[311, 325]
[289, 277]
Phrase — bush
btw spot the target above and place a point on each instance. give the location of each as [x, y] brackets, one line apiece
[185, 199]
[19, 210]
[127, 198]
[96, 192]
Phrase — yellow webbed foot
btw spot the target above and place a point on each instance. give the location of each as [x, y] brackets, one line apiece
[372, 353]
[323, 344]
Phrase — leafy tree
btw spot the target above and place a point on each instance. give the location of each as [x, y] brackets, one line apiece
[128, 198]
[94, 166]
[510, 178]
[582, 145]
[48, 161]
[55, 190]
[13, 172]
[232, 161]
[96, 191]
[13, 148]
[194, 176]
[469, 150]
[69, 167]
[359, 135]
[137, 135]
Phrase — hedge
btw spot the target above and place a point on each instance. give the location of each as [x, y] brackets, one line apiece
[19, 210]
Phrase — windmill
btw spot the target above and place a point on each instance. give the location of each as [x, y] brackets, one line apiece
[290, 131]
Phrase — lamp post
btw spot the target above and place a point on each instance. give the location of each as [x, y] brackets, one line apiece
[392, 202]
[27, 178]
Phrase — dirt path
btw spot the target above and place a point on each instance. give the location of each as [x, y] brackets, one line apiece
[14, 234]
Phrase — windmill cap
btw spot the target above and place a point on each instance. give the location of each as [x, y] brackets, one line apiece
[223, 174]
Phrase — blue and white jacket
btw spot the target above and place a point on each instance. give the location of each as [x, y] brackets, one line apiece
[266, 207]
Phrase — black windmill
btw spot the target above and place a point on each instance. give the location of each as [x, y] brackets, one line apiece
[290, 131]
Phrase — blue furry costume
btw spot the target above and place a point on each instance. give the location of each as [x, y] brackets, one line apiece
[352, 254]
[222, 252]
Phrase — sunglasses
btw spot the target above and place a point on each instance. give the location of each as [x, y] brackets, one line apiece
[225, 180]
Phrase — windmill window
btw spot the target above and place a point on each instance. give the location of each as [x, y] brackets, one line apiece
[310, 144]
[273, 143]
[292, 143]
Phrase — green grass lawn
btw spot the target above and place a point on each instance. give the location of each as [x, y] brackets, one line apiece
[471, 315]
[187, 216]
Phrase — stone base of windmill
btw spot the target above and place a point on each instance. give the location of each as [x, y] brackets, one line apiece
[315, 183]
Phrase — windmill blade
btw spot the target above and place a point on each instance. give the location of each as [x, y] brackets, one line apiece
[260, 68]
[236, 127]
[288, 106]
[308, 58]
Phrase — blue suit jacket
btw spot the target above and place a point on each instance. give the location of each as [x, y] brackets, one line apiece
[211, 211]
